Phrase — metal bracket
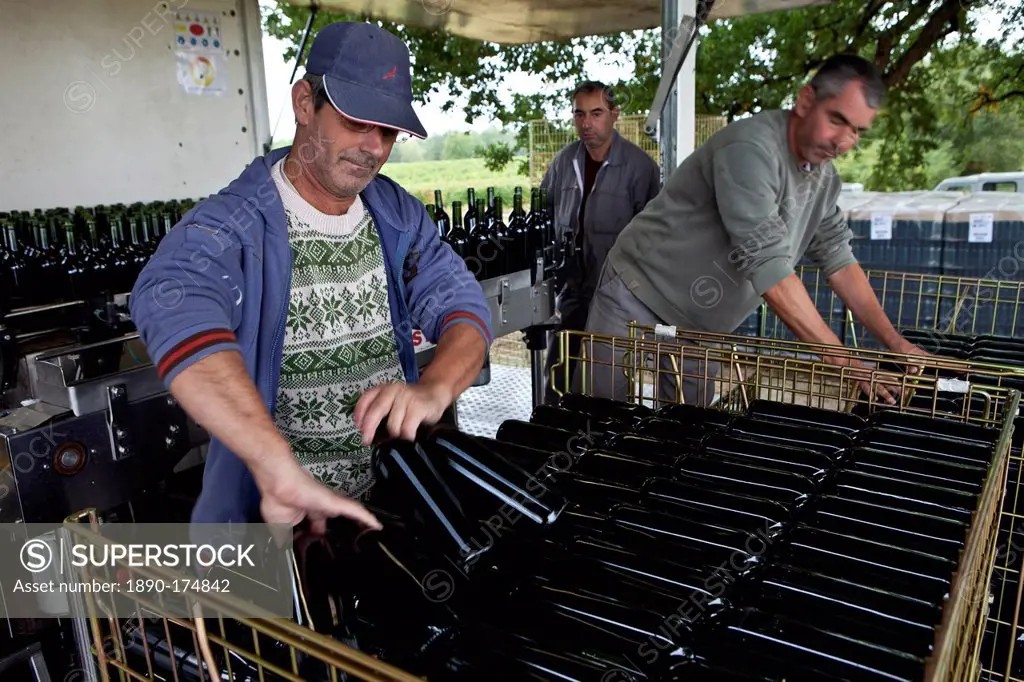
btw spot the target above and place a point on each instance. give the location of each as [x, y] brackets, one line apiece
[118, 422]
[685, 38]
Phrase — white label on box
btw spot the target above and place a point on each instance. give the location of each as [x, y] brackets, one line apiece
[953, 385]
[881, 226]
[667, 331]
[419, 341]
[980, 228]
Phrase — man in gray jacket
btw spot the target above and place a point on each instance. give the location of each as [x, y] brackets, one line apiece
[595, 186]
[733, 220]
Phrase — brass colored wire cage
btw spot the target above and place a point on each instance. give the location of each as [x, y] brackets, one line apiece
[755, 369]
[999, 665]
[222, 637]
[945, 303]
[951, 305]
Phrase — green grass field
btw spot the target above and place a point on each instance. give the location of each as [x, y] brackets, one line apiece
[454, 177]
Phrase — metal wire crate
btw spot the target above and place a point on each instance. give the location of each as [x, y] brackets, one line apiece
[1001, 659]
[742, 374]
[914, 301]
[222, 637]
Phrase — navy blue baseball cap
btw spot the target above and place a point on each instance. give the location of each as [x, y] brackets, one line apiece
[367, 75]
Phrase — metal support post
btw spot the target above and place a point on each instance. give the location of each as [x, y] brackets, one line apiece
[537, 343]
[676, 45]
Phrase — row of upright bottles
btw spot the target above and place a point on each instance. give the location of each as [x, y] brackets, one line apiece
[491, 243]
[55, 255]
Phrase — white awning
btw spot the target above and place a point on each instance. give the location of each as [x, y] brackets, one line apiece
[527, 21]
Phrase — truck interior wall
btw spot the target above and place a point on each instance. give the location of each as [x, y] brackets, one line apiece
[92, 111]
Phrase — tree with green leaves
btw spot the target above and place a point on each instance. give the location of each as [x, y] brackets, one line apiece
[748, 64]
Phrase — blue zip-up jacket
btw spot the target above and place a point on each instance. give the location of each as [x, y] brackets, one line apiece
[220, 280]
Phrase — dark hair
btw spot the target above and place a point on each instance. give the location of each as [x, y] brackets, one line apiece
[316, 83]
[839, 70]
[588, 87]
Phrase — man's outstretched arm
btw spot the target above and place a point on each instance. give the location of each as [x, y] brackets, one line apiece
[852, 286]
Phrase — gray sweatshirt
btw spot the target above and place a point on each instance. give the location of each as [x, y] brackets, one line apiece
[732, 221]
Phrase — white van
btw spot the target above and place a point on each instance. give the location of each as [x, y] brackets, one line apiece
[984, 182]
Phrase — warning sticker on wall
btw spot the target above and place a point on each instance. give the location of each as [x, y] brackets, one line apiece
[202, 74]
[197, 32]
[200, 53]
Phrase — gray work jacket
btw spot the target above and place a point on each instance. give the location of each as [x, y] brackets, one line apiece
[625, 182]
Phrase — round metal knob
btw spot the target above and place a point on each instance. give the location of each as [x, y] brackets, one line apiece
[69, 458]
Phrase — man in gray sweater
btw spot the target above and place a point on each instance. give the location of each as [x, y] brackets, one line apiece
[733, 220]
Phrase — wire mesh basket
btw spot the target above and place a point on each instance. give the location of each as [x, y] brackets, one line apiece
[222, 641]
[948, 305]
[654, 370]
[912, 301]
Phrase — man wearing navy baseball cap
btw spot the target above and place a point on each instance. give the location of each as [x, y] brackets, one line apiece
[280, 311]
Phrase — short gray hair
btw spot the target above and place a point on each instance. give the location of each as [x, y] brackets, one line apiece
[316, 84]
[838, 71]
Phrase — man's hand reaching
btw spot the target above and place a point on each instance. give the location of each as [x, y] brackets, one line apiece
[291, 494]
[886, 386]
[406, 407]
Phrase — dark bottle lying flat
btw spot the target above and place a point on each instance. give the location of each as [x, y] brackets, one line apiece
[911, 422]
[651, 547]
[609, 572]
[580, 520]
[713, 515]
[790, 489]
[813, 465]
[671, 431]
[574, 619]
[874, 551]
[559, 418]
[860, 489]
[849, 591]
[761, 511]
[708, 544]
[603, 408]
[572, 443]
[639, 558]
[886, 533]
[699, 670]
[592, 580]
[646, 447]
[594, 493]
[708, 418]
[611, 466]
[1012, 356]
[921, 463]
[389, 574]
[411, 475]
[788, 649]
[495, 652]
[916, 470]
[826, 441]
[843, 617]
[926, 445]
[901, 487]
[802, 415]
[834, 560]
[510, 487]
[542, 463]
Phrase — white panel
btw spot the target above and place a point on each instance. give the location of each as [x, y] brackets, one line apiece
[686, 93]
[92, 112]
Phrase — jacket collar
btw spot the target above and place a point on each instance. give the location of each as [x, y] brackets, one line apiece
[614, 157]
[380, 197]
